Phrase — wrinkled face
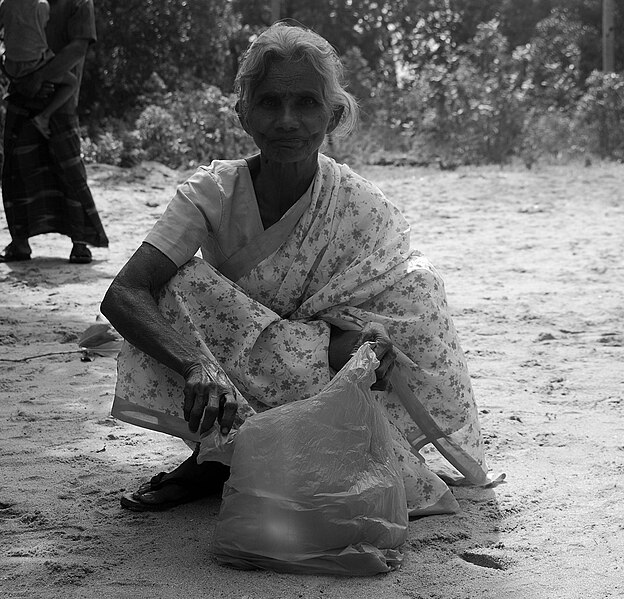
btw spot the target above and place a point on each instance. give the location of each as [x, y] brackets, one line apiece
[287, 116]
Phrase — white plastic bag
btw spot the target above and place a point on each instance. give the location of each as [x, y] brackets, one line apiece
[100, 339]
[315, 485]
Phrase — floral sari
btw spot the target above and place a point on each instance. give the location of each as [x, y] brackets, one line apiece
[341, 256]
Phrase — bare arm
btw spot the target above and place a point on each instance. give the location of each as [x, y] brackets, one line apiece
[130, 306]
[67, 58]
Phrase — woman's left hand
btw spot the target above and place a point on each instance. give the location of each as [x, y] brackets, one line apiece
[384, 350]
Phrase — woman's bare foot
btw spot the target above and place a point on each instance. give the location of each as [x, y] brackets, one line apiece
[188, 482]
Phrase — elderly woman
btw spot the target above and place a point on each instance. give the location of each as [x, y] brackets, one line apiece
[302, 262]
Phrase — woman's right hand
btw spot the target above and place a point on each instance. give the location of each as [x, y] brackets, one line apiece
[384, 350]
[209, 397]
[343, 344]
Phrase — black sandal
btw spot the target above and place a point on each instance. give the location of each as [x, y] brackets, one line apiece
[10, 254]
[80, 254]
[189, 490]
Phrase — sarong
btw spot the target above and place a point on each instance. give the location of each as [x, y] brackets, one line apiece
[345, 262]
[44, 182]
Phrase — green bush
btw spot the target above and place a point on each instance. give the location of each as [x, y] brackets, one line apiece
[161, 136]
[548, 136]
[180, 129]
[209, 124]
[113, 144]
[482, 102]
[600, 115]
[470, 108]
[192, 127]
[107, 149]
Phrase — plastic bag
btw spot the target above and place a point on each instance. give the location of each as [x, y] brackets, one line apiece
[100, 339]
[315, 485]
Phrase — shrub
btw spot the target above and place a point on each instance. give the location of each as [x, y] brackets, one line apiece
[107, 149]
[161, 136]
[113, 143]
[210, 127]
[471, 108]
[600, 114]
[191, 127]
[548, 136]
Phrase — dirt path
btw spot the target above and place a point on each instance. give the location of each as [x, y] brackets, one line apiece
[534, 268]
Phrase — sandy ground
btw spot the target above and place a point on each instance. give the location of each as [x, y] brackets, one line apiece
[533, 262]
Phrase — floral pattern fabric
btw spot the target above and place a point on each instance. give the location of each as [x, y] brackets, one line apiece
[347, 261]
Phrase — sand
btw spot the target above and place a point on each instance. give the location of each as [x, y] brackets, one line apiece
[534, 268]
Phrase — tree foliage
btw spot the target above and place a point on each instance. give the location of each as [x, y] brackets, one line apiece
[477, 77]
[182, 41]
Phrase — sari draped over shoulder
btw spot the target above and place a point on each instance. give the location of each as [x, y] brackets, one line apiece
[341, 256]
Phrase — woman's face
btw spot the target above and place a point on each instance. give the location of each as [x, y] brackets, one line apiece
[287, 116]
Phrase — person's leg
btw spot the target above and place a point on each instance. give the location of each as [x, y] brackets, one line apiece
[65, 89]
[19, 248]
[82, 221]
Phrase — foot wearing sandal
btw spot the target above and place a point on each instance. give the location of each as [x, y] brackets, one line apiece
[80, 254]
[188, 482]
[16, 252]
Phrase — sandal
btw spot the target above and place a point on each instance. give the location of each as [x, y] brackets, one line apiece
[10, 254]
[80, 254]
[159, 493]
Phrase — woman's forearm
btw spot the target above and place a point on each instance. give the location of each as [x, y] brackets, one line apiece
[130, 306]
[137, 318]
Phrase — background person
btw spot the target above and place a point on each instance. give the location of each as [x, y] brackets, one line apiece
[44, 182]
[26, 50]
